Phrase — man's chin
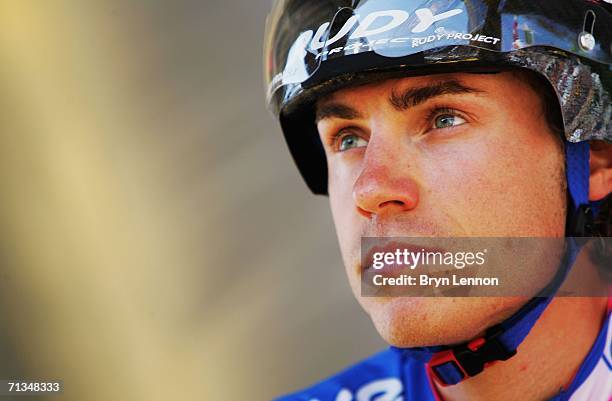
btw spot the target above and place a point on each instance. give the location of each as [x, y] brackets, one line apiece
[418, 322]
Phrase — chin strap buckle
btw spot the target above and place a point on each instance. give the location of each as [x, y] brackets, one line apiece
[469, 359]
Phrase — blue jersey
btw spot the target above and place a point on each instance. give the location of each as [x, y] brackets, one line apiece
[402, 375]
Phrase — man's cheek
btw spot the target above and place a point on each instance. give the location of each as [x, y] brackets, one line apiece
[349, 223]
[463, 175]
[464, 183]
[478, 182]
[342, 177]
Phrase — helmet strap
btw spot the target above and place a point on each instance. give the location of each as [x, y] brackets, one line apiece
[452, 365]
[457, 363]
[580, 212]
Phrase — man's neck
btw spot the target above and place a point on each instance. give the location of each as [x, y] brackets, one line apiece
[548, 359]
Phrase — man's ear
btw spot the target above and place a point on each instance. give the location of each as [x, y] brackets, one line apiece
[600, 163]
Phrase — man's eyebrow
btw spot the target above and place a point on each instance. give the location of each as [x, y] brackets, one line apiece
[336, 110]
[412, 97]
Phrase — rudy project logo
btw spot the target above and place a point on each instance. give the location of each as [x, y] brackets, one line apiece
[367, 34]
[364, 29]
[375, 23]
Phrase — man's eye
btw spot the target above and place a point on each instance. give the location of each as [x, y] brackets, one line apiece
[350, 141]
[447, 121]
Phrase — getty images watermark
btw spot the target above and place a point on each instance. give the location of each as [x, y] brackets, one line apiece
[405, 258]
[484, 266]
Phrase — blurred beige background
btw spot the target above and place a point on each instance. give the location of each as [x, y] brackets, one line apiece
[157, 242]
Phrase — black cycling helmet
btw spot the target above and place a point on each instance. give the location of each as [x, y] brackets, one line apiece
[315, 47]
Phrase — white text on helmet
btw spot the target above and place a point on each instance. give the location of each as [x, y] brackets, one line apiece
[398, 17]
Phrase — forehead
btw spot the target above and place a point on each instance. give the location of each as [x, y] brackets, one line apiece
[490, 84]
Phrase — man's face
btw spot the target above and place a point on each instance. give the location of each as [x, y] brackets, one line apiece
[450, 155]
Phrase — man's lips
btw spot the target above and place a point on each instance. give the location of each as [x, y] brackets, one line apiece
[366, 264]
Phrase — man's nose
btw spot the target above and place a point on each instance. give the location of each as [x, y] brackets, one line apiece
[385, 184]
